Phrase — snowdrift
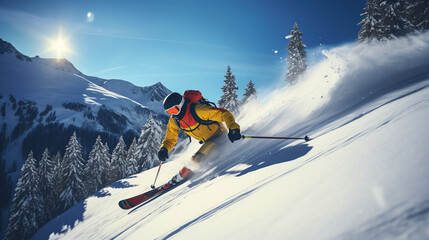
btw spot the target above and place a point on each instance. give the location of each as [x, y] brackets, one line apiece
[363, 176]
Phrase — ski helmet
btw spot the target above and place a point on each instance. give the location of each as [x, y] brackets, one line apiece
[173, 103]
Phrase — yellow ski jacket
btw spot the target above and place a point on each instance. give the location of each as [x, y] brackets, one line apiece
[196, 130]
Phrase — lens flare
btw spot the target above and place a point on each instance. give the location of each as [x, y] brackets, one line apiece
[90, 17]
[59, 45]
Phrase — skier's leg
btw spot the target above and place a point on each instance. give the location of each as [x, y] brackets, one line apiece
[209, 148]
[203, 152]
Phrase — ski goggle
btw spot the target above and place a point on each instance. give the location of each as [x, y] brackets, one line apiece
[174, 110]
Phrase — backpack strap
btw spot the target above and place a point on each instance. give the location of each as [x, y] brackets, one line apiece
[177, 121]
[197, 118]
[207, 102]
[181, 129]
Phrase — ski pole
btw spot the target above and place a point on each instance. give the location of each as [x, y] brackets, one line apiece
[306, 138]
[159, 168]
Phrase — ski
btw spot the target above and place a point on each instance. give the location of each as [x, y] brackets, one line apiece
[141, 198]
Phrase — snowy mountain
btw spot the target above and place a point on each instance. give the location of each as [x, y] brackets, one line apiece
[362, 176]
[48, 91]
[9, 49]
[43, 101]
[58, 64]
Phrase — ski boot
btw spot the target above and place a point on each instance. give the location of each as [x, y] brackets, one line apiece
[185, 172]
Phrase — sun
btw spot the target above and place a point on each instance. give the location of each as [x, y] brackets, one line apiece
[60, 46]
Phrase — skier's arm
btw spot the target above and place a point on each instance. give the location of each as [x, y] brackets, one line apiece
[171, 135]
[218, 115]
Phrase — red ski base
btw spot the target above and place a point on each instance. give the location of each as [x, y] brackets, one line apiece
[139, 199]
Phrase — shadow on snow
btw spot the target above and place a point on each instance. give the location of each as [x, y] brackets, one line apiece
[284, 155]
[74, 215]
[63, 223]
[119, 184]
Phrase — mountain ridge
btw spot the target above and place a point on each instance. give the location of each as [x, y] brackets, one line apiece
[6, 47]
[39, 86]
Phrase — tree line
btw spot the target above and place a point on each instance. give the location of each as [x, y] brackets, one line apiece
[383, 20]
[388, 19]
[50, 186]
[229, 99]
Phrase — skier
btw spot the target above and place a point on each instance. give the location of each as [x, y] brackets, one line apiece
[198, 120]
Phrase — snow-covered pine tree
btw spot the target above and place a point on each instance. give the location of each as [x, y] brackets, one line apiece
[394, 20]
[107, 157]
[118, 163]
[297, 57]
[25, 211]
[132, 166]
[57, 183]
[249, 93]
[148, 144]
[73, 174]
[371, 23]
[229, 98]
[46, 168]
[95, 168]
[384, 19]
[418, 14]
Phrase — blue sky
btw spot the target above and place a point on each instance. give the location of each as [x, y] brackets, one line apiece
[185, 44]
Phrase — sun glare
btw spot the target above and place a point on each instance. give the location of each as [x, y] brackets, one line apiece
[90, 17]
[60, 46]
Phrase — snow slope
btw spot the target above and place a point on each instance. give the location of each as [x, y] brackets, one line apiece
[363, 176]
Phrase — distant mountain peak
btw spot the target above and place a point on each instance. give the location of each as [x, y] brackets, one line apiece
[159, 91]
[58, 64]
[8, 48]
[158, 84]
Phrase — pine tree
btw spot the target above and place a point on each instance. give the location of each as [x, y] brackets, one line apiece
[249, 92]
[297, 56]
[418, 14]
[73, 174]
[25, 211]
[95, 168]
[46, 173]
[394, 20]
[107, 158]
[57, 183]
[385, 19]
[229, 99]
[148, 144]
[132, 167]
[371, 23]
[118, 161]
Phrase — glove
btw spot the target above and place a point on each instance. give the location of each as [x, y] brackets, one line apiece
[163, 154]
[234, 135]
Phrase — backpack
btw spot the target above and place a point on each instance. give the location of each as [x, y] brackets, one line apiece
[193, 98]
